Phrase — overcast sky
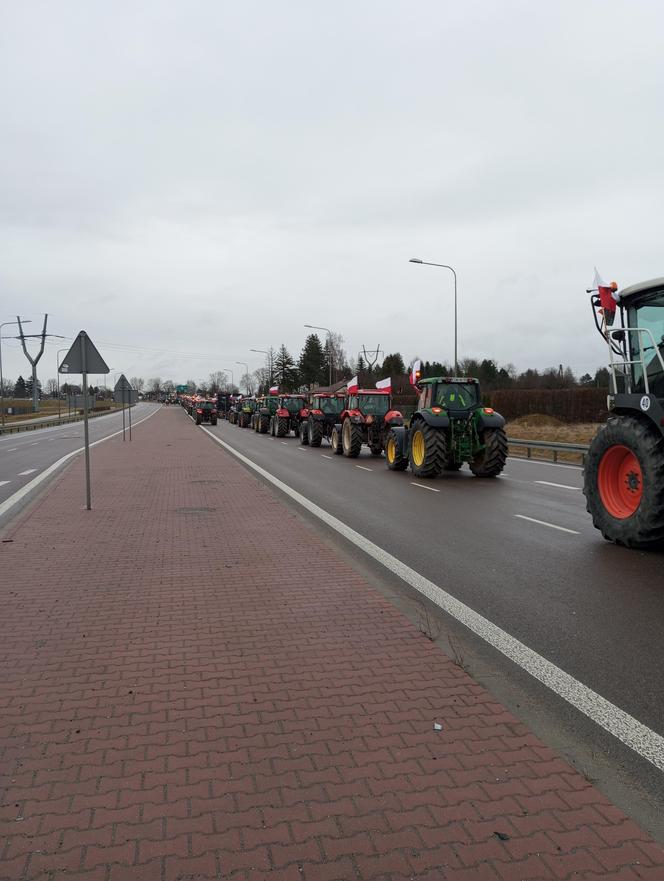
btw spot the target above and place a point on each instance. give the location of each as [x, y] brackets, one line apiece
[201, 177]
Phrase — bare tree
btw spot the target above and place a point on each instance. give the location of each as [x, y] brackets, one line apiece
[248, 382]
[154, 385]
[216, 382]
[52, 387]
[138, 383]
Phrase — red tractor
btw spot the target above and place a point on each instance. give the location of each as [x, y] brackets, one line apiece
[366, 419]
[323, 414]
[290, 412]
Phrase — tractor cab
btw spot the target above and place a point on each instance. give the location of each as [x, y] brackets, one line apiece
[457, 397]
[292, 403]
[369, 403]
[329, 405]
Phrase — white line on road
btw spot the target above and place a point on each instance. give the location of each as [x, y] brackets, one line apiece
[3, 482]
[29, 471]
[561, 485]
[21, 493]
[634, 734]
[542, 462]
[544, 523]
[304, 449]
[34, 443]
[422, 486]
[284, 443]
[11, 450]
[325, 456]
[364, 468]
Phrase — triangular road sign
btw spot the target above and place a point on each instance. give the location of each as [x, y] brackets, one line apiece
[83, 357]
[122, 385]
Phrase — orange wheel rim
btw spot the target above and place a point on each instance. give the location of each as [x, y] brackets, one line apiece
[620, 482]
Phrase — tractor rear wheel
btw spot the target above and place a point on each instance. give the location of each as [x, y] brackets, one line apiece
[428, 450]
[263, 424]
[282, 426]
[394, 454]
[624, 482]
[335, 441]
[490, 461]
[315, 432]
[351, 439]
[304, 434]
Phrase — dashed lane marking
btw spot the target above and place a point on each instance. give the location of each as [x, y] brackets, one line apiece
[34, 443]
[364, 468]
[550, 525]
[3, 482]
[422, 486]
[634, 734]
[560, 485]
[325, 456]
[284, 443]
[24, 473]
[11, 450]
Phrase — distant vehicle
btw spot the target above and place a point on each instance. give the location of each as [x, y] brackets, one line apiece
[322, 415]
[205, 411]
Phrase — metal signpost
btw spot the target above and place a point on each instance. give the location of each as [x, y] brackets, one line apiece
[84, 358]
[123, 391]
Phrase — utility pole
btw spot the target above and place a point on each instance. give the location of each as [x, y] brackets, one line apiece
[33, 361]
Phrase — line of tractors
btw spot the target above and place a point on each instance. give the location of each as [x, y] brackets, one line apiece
[448, 428]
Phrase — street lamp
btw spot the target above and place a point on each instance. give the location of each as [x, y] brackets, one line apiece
[57, 375]
[329, 345]
[2, 387]
[246, 373]
[228, 370]
[445, 266]
[269, 361]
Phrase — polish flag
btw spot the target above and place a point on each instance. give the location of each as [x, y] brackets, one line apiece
[415, 373]
[274, 390]
[607, 296]
[385, 384]
[352, 385]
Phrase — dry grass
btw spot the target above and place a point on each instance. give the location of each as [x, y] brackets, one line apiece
[47, 408]
[547, 428]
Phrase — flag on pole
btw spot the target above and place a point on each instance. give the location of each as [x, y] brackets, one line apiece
[274, 390]
[385, 384]
[352, 385]
[415, 373]
[607, 297]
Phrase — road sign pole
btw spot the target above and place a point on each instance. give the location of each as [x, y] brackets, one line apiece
[130, 394]
[86, 435]
[123, 413]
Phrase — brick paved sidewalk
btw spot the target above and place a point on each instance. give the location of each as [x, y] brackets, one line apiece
[195, 686]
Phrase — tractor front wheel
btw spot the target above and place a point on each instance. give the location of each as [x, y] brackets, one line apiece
[428, 450]
[263, 424]
[282, 426]
[304, 434]
[351, 439]
[624, 482]
[335, 441]
[490, 461]
[394, 452]
[315, 432]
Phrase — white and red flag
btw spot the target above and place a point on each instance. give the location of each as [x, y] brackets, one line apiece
[385, 385]
[608, 296]
[274, 390]
[352, 385]
[415, 372]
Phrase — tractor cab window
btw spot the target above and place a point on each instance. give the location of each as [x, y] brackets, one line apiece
[293, 405]
[425, 397]
[374, 405]
[650, 315]
[331, 406]
[352, 402]
[456, 396]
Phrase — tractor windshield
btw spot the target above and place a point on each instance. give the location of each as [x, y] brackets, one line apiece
[331, 406]
[650, 316]
[456, 396]
[374, 405]
[293, 405]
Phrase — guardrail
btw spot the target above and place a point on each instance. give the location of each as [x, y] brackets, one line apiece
[49, 423]
[555, 448]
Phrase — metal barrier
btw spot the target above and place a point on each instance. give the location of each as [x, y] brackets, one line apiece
[530, 445]
[49, 423]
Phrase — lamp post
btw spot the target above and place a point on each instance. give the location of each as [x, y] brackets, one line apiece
[2, 387]
[269, 361]
[445, 266]
[246, 373]
[57, 375]
[329, 346]
[228, 370]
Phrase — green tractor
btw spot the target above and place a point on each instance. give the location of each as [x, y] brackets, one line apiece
[266, 407]
[624, 468]
[245, 410]
[449, 427]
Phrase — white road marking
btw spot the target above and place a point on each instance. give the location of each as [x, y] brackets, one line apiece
[304, 449]
[3, 482]
[561, 485]
[364, 468]
[34, 443]
[325, 456]
[29, 471]
[634, 734]
[544, 523]
[284, 443]
[11, 450]
[543, 462]
[422, 486]
[21, 493]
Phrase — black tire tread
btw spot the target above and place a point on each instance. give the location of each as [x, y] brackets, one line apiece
[491, 461]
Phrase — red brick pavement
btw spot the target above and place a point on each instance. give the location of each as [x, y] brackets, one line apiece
[195, 686]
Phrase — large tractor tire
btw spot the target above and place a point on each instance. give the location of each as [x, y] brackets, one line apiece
[263, 423]
[351, 439]
[198, 420]
[490, 461]
[315, 432]
[241, 420]
[335, 441]
[282, 426]
[428, 450]
[624, 482]
[304, 434]
[213, 421]
[395, 456]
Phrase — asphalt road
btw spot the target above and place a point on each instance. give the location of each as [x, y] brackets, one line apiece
[26, 455]
[521, 551]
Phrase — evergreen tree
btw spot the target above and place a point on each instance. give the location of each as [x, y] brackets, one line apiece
[285, 372]
[360, 366]
[20, 389]
[392, 366]
[312, 362]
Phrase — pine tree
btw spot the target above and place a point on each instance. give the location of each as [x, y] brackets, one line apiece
[312, 361]
[20, 389]
[392, 366]
[285, 373]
